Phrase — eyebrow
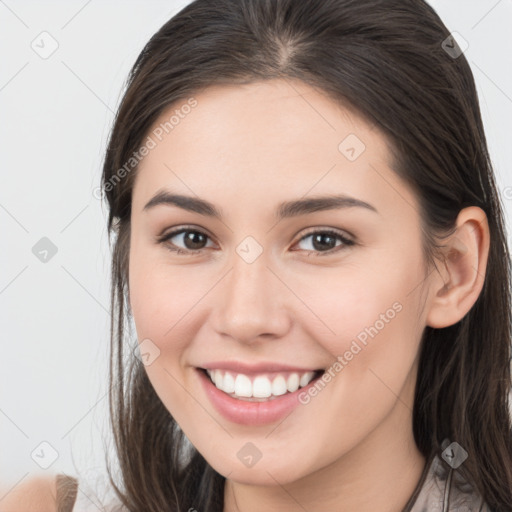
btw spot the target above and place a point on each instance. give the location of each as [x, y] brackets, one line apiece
[284, 210]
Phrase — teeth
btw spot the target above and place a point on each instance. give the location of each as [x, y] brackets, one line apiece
[218, 380]
[293, 382]
[306, 379]
[279, 386]
[243, 386]
[228, 384]
[261, 387]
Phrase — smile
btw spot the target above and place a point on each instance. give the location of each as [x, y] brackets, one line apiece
[261, 387]
[256, 397]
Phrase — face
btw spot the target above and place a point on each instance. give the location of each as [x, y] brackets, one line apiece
[266, 297]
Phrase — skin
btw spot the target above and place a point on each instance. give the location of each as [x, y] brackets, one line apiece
[35, 494]
[246, 149]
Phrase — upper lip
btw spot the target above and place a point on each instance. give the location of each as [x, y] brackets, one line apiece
[254, 368]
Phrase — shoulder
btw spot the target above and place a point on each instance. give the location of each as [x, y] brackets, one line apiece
[41, 493]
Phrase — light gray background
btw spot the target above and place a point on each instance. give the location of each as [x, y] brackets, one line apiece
[55, 118]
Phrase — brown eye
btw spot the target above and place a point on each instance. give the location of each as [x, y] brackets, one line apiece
[325, 241]
[192, 240]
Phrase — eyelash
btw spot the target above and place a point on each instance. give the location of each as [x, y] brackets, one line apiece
[346, 242]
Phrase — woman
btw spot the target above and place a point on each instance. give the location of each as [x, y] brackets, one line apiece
[308, 237]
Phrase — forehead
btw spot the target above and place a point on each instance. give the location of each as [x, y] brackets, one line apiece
[268, 141]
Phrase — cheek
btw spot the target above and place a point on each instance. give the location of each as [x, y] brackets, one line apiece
[374, 328]
[355, 307]
[374, 350]
[164, 303]
[162, 297]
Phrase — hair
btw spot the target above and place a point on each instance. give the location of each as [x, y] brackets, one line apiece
[66, 492]
[385, 60]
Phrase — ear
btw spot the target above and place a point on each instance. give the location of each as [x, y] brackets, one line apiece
[460, 282]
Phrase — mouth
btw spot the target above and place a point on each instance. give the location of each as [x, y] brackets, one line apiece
[260, 387]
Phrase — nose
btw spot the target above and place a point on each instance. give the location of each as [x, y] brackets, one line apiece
[250, 303]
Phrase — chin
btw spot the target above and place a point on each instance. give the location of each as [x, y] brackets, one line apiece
[264, 473]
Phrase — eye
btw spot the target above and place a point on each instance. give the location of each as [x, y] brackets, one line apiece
[193, 240]
[321, 239]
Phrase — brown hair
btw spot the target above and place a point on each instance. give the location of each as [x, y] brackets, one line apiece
[67, 489]
[386, 59]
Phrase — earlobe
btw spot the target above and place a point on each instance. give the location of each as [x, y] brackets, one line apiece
[458, 286]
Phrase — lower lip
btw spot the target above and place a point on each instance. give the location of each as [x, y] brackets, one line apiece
[251, 413]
